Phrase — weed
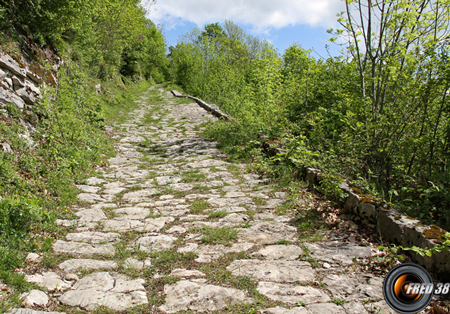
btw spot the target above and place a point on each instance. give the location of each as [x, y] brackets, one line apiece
[218, 214]
[198, 206]
[219, 235]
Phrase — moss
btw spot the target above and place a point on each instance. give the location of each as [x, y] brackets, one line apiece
[357, 191]
[434, 232]
[371, 200]
[398, 217]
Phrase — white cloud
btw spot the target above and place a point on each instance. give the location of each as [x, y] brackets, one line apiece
[262, 15]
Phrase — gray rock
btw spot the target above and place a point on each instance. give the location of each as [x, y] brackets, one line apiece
[49, 280]
[137, 264]
[338, 253]
[90, 215]
[227, 202]
[155, 242]
[268, 232]
[191, 296]
[354, 308]
[234, 194]
[292, 294]
[74, 265]
[326, 308]
[101, 289]
[184, 273]
[83, 248]
[209, 253]
[35, 297]
[32, 257]
[95, 181]
[30, 311]
[93, 237]
[139, 196]
[90, 198]
[275, 252]
[167, 179]
[88, 188]
[278, 271]
[282, 310]
[340, 286]
[133, 212]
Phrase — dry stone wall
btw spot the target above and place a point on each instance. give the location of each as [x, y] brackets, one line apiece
[21, 78]
[394, 227]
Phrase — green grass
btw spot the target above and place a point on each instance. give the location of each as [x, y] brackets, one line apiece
[198, 206]
[219, 235]
[195, 175]
[218, 214]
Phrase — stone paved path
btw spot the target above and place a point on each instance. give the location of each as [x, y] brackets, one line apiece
[172, 226]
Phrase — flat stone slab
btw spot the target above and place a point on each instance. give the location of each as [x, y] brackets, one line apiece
[191, 296]
[124, 225]
[206, 163]
[139, 196]
[74, 265]
[90, 198]
[292, 294]
[184, 273]
[90, 215]
[30, 311]
[338, 253]
[209, 253]
[275, 252]
[282, 310]
[227, 202]
[132, 212]
[102, 289]
[95, 181]
[326, 308]
[35, 297]
[88, 188]
[278, 271]
[49, 280]
[83, 248]
[268, 232]
[93, 237]
[167, 180]
[155, 242]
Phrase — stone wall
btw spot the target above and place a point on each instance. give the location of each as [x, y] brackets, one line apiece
[394, 227]
[20, 80]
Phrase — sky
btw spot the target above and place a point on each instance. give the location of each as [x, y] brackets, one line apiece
[281, 22]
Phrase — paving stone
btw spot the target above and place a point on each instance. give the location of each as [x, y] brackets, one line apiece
[167, 179]
[354, 308]
[272, 203]
[125, 225]
[228, 209]
[338, 253]
[74, 265]
[101, 289]
[90, 198]
[113, 191]
[292, 294]
[93, 237]
[268, 232]
[95, 181]
[176, 229]
[90, 215]
[278, 271]
[184, 273]
[191, 296]
[282, 310]
[208, 253]
[226, 202]
[206, 163]
[83, 248]
[326, 308]
[139, 196]
[88, 188]
[137, 264]
[132, 212]
[275, 252]
[30, 311]
[35, 297]
[155, 242]
[379, 307]
[181, 186]
[49, 280]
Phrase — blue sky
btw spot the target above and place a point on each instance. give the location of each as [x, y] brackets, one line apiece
[281, 22]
